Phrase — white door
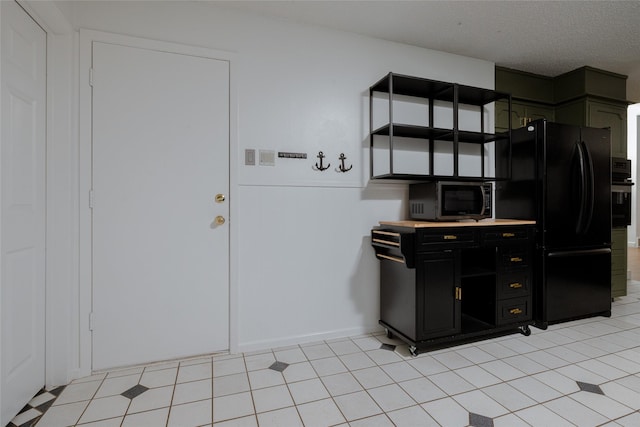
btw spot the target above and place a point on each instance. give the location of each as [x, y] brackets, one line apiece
[22, 228]
[160, 157]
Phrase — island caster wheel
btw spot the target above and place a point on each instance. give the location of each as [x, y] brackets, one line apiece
[389, 334]
[525, 330]
[413, 350]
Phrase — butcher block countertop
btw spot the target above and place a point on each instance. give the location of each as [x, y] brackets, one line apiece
[463, 223]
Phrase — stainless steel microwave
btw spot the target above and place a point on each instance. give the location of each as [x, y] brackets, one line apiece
[450, 201]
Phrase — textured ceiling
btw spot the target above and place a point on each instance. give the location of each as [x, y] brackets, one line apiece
[544, 37]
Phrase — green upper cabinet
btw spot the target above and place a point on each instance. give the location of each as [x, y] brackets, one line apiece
[585, 97]
[588, 81]
[525, 86]
[591, 97]
[598, 113]
[532, 98]
[521, 114]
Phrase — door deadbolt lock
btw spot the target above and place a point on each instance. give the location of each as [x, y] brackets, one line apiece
[219, 220]
[220, 198]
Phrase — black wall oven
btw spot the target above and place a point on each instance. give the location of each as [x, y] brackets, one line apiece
[620, 192]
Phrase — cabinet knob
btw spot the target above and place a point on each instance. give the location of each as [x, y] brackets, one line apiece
[515, 311]
[450, 237]
[515, 285]
[219, 220]
[516, 259]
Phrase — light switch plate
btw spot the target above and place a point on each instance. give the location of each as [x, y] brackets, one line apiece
[267, 158]
[249, 157]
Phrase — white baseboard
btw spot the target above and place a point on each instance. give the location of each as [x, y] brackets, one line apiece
[305, 339]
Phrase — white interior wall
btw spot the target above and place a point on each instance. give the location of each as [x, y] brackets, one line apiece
[305, 269]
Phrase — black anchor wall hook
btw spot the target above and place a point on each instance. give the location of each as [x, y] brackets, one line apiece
[321, 167]
[341, 168]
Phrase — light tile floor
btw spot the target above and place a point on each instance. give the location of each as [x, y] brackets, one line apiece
[582, 373]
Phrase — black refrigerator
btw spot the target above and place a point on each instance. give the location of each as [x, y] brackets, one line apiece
[561, 178]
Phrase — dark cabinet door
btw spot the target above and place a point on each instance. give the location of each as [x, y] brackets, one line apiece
[437, 294]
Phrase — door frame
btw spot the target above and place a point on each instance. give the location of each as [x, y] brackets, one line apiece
[37, 337]
[58, 240]
[87, 37]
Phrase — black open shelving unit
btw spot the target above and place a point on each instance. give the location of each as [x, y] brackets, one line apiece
[433, 90]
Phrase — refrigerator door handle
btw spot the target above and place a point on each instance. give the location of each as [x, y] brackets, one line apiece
[582, 252]
[583, 189]
[590, 185]
[586, 188]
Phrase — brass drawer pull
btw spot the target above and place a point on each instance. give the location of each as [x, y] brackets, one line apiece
[508, 235]
[459, 294]
[515, 311]
[450, 237]
[391, 258]
[387, 242]
[386, 233]
[515, 285]
[516, 259]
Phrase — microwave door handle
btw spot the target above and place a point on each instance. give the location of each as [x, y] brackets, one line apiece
[484, 201]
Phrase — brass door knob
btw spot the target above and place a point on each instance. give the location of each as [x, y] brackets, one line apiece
[220, 198]
[219, 220]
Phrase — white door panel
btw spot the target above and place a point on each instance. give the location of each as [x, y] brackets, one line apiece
[160, 155]
[23, 97]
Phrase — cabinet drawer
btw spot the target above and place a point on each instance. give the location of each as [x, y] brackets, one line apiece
[505, 235]
[514, 284]
[514, 310]
[514, 259]
[445, 238]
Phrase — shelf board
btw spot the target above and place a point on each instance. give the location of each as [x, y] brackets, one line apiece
[411, 86]
[470, 137]
[478, 96]
[443, 91]
[422, 178]
[426, 132]
[412, 131]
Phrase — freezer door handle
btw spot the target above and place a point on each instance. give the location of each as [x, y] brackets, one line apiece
[581, 252]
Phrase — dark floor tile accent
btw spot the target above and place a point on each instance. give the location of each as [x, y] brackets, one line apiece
[134, 391]
[25, 408]
[46, 405]
[477, 420]
[279, 366]
[390, 347]
[56, 391]
[29, 423]
[40, 409]
[591, 388]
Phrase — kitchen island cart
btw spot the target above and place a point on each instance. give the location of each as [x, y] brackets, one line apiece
[450, 282]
